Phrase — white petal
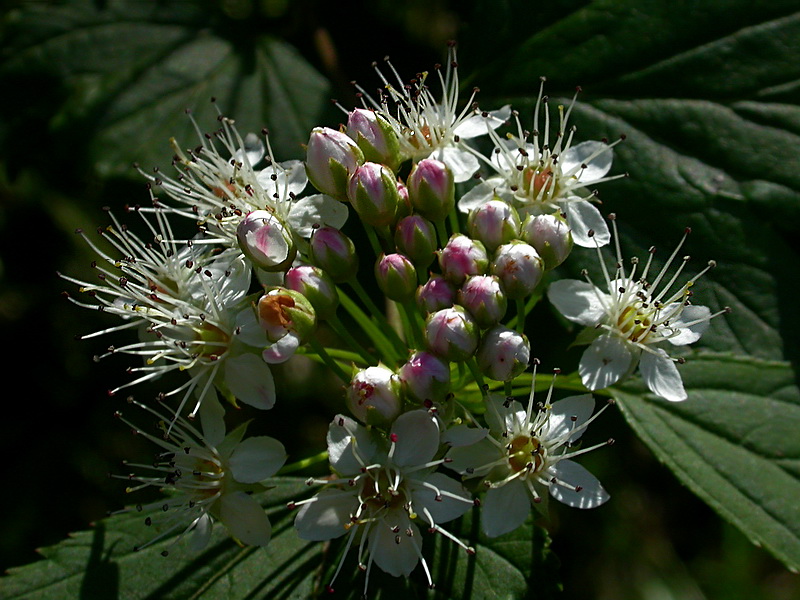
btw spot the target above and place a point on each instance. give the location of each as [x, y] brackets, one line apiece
[446, 509]
[327, 516]
[479, 125]
[583, 216]
[505, 508]
[250, 380]
[567, 414]
[578, 301]
[417, 438]
[350, 446]
[212, 420]
[661, 375]
[247, 329]
[461, 162]
[202, 533]
[282, 350]
[604, 362]
[478, 195]
[289, 179]
[257, 458]
[318, 209]
[591, 493]
[468, 460]
[581, 154]
[245, 519]
[688, 334]
[253, 150]
[395, 553]
[501, 415]
[463, 435]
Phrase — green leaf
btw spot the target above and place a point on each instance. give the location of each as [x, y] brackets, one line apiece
[734, 443]
[131, 69]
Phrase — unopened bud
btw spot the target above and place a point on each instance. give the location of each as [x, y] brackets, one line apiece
[462, 256]
[519, 268]
[550, 236]
[373, 193]
[435, 294]
[425, 377]
[415, 237]
[334, 253]
[316, 285]
[282, 310]
[452, 334]
[373, 396]
[331, 158]
[375, 136]
[265, 240]
[483, 297]
[431, 189]
[503, 353]
[396, 277]
[493, 223]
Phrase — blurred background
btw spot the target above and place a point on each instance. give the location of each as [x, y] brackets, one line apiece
[90, 87]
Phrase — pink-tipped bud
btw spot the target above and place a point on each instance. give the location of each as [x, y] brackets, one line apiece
[333, 252]
[425, 377]
[462, 256]
[452, 334]
[266, 241]
[375, 136]
[415, 237]
[483, 297]
[331, 158]
[519, 268]
[503, 353]
[493, 223]
[435, 294]
[373, 396]
[372, 191]
[551, 237]
[431, 189]
[396, 277]
[316, 285]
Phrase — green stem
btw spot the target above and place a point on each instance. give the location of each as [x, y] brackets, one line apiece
[304, 463]
[414, 326]
[508, 388]
[453, 217]
[332, 364]
[520, 315]
[377, 314]
[382, 343]
[373, 239]
[472, 365]
[441, 233]
[343, 333]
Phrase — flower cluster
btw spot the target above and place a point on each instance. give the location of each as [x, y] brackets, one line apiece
[433, 427]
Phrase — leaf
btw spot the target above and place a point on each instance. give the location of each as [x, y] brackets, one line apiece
[131, 69]
[734, 443]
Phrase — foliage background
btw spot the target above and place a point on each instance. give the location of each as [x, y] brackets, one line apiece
[707, 95]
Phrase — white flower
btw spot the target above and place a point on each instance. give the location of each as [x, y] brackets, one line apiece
[207, 477]
[543, 174]
[426, 126]
[188, 307]
[218, 186]
[526, 453]
[385, 485]
[631, 315]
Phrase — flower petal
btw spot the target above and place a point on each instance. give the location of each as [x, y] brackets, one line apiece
[590, 495]
[395, 553]
[320, 210]
[327, 516]
[447, 507]
[257, 458]
[350, 446]
[282, 350]
[582, 217]
[212, 420]
[290, 178]
[661, 375]
[688, 334]
[505, 508]
[461, 162]
[604, 362]
[579, 301]
[581, 154]
[480, 125]
[250, 380]
[469, 460]
[463, 435]
[201, 533]
[478, 195]
[247, 329]
[417, 438]
[568, 414]
[245, 519]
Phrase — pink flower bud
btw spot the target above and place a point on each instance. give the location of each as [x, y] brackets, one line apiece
[415, 237]
[265, 240]
[373, 193]
[331, 158]
[461, 257]
[333, 252]
[493, 223]
[425, 377]
[396, 276]
[503, 353]
[431, 189]
[316, 285]
[519, 268]
[435, 294]
[483, 297]
[551, 237]
[452, 334]
[375, 136]
[373, 396]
